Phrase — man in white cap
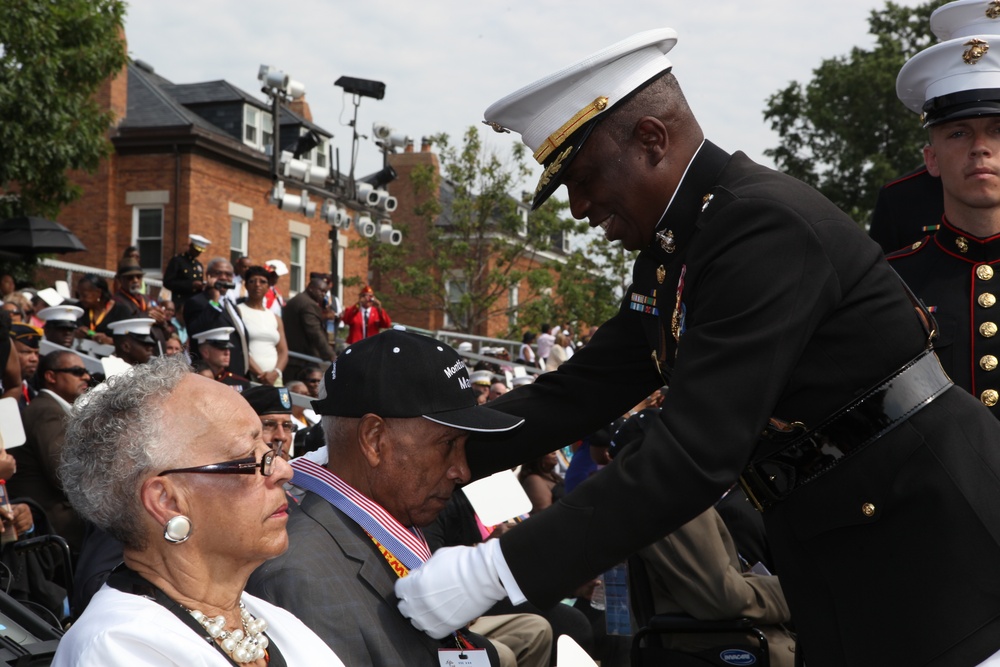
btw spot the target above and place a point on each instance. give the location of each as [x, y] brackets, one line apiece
[481, 384]
[133, 341]
[797, 362]
[60, 323]
[955, 84]
[214, 350]
[184, 275]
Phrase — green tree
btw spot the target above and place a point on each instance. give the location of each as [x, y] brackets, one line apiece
[845, 132]
[53, 58]
[482, 246]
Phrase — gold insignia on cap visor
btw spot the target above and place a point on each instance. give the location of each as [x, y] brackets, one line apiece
[977, 49]
[993, 10]
[552, 169]
[555, 139]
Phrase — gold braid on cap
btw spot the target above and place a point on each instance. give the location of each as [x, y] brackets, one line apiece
[552, 169]
[569, 127]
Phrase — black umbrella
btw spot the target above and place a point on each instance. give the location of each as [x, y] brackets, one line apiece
[36, 236]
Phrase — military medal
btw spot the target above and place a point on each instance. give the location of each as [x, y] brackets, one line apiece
[706, 200]
[677, 319]
[666, 239]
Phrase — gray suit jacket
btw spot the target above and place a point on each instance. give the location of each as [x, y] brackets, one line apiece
[335, 580]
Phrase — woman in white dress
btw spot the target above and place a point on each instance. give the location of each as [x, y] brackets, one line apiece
[174, 466]
[265, 332]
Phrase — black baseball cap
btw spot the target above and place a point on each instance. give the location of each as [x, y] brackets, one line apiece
[399, 374]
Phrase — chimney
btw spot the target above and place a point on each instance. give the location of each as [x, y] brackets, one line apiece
[301, 107]
[113, 93]
[425, 144]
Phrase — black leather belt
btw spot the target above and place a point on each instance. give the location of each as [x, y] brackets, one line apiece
[808, 456]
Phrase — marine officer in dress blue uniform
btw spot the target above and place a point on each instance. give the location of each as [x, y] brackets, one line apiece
[796, 360]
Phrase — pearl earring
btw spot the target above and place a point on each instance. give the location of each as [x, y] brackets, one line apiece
[177, 530]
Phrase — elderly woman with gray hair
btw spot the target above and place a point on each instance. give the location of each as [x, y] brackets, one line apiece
[174, 466]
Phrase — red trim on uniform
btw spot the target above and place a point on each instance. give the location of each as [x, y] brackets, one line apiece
[903, 179]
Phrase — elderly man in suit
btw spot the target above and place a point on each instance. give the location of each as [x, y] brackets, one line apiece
[303, 318]
[395, 457]
[63, 379]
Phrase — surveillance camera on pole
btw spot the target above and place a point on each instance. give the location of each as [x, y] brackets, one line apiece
[386, 234]
[365, 227]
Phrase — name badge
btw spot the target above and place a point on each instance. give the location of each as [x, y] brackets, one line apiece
[469, 657]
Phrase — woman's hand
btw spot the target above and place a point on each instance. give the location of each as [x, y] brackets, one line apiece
[268, 378]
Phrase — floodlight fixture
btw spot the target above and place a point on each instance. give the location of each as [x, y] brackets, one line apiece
[301, 170]
[365, 227]
[382, 177]
[361, 87]
[384, 201]
[389, 136]
[386, 234]
[365, 194]
[306, 143]
[335, 215]
[276, 81]
[284, 200]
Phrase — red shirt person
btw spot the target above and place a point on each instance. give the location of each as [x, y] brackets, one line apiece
[366, 318]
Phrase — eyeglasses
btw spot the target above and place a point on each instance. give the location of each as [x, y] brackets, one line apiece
[247, 466]
[78, 371]
[270, 425]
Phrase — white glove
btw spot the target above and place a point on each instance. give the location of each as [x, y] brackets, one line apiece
[452, 588]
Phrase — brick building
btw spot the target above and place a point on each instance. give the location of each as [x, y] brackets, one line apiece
[190, 158]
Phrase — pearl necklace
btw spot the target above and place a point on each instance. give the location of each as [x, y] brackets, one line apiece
[242, 645]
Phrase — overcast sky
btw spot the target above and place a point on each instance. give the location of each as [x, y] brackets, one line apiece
[445, 61]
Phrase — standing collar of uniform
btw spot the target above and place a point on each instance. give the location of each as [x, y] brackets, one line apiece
[680, 183]
[60, 400]
[977, 250]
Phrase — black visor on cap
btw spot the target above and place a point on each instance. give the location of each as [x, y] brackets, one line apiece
[963, 104]
[404, 375]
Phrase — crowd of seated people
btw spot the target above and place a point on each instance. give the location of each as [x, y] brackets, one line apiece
[44, 343]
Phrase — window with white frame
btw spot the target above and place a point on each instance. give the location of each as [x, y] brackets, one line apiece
[456, 314]
[251, 125]
[318, 155]
[297, 264]
[522, 230]
[238, 239]
[147, 236]
[258, 127]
